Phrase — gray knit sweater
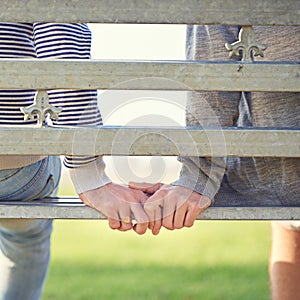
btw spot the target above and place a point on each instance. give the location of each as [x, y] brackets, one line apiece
[243, 181]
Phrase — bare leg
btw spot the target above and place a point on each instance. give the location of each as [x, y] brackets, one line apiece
[285, 263]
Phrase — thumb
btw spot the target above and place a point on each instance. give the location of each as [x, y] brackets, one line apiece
[204, 202]
[145, 187]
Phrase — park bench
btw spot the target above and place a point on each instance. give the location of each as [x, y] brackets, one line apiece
[245, 75]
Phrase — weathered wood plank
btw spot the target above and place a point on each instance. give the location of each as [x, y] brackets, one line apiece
[151, 75]
[73, 208]
[229, 12]
[150, 141]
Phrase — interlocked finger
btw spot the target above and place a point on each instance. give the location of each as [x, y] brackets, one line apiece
[180, 215]
[153, 208]
[125, 219]
[195, 208]
[141, 218]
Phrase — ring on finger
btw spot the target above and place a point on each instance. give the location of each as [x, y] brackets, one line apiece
[126, 220]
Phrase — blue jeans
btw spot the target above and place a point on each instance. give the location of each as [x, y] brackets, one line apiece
[25, 244]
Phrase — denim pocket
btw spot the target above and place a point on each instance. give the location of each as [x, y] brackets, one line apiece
[47, 190]
[36, 180]
[25, 183]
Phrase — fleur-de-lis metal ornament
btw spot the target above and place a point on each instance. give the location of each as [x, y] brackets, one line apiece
[246, 45]
[41, 107]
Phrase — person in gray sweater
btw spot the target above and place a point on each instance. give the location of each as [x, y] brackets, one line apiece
[238, 181]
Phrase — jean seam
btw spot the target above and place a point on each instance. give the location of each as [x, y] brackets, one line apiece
[50, 180]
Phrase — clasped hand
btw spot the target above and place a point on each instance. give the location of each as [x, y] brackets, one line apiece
[151, 205]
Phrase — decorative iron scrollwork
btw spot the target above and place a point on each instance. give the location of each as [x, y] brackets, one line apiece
[41, 107]
[246, 45]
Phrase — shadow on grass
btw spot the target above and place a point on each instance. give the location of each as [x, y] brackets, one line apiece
[153, 282]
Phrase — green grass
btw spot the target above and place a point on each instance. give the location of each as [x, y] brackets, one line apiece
[212, 260]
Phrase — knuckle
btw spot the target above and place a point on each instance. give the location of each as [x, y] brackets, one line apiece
[149, 207]
[168, 226]
[142, 220]
[140, 229]
[114, 224]
[177, 226]
[125, 228]
[188, 224]
[194, 206]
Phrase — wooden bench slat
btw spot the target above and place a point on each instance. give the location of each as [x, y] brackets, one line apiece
[73, 208]
[149, 75]
[150, 141]
[229, 12]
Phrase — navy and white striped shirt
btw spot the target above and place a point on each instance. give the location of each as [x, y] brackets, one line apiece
[55, 41]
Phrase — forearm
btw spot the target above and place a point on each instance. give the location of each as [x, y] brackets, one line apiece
[80, 108]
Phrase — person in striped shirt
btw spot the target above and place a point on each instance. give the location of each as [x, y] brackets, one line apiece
[24, 244]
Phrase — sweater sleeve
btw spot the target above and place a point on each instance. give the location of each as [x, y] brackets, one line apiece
[208, 109]
[79, 107]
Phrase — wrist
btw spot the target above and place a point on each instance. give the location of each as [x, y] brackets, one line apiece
[90, 176]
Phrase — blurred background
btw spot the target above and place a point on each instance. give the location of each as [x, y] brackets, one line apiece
[211, 260]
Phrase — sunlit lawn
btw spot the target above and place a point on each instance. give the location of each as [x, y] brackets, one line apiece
[212, 260]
